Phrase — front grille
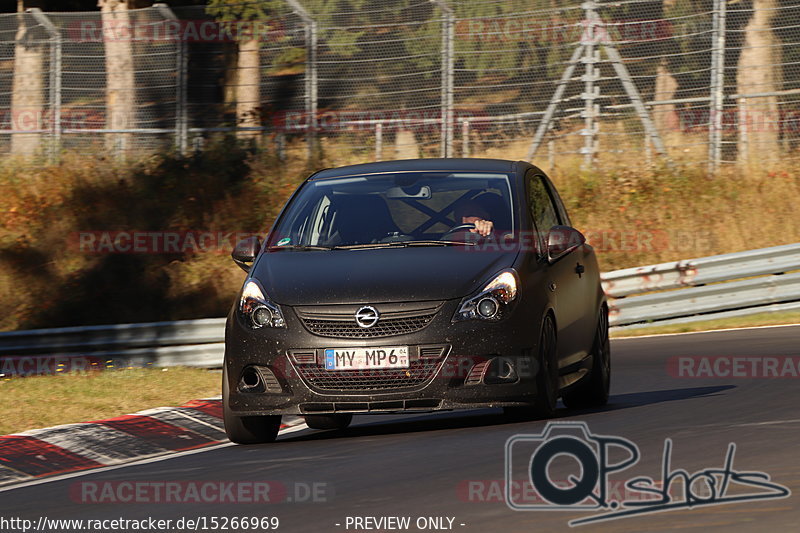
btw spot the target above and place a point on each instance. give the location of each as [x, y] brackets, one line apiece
[395, 319]
[389, 406]
[351, 330]
[420, 371]
[417, 374]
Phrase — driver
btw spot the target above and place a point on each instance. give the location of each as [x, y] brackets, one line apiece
[472, 212]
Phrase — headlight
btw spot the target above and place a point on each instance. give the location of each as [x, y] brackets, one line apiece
[493, 301]
[257, 310]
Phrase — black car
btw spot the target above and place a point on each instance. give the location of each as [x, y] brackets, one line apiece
[417, 285]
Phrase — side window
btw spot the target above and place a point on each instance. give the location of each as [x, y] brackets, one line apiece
[317, 230]
[543, 210]
[562, 211]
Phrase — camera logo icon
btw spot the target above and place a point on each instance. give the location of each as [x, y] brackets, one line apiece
[531, 461]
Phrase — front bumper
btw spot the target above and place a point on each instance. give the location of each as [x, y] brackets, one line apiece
[470, 371]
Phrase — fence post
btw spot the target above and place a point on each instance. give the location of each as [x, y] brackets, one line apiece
[55, 78]
[743, 133]
[448, 62]
[465, 137]
[717, 87]
[280, 146]
[590, 92]
[311, 75]
[378, 141]
[182, 83]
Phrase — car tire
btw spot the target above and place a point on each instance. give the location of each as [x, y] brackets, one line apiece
[544, 405]
[593, 390]
[547, 378]
[247, 429]
[328, 421]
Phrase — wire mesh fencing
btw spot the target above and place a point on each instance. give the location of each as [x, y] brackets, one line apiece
[703, 81]
[28, 86]
[120, 81]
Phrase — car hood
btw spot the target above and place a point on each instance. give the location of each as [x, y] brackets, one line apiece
[376, 275]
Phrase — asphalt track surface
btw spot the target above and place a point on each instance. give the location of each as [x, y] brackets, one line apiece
[422, 465]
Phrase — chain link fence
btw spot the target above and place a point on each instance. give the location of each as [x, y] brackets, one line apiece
[28, 84]
[703, 81]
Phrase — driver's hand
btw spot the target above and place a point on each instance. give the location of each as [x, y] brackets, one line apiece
[483, 227]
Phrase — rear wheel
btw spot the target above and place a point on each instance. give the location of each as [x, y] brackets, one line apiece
[328, 421]
[593, 390]
[247, 429]
[544, 405]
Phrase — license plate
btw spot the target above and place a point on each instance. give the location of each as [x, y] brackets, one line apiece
[366, 358]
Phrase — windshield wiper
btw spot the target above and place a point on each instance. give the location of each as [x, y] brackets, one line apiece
[439, 243]
[299, 247]
[401, 244]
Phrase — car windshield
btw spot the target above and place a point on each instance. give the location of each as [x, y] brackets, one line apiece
[394, 209]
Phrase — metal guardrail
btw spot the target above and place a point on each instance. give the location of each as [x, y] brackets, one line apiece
[693, 272]
[702, 301]
[113, 338]
[722, 286]
[193, 343]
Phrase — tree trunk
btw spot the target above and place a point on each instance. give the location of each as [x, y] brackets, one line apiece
[120, 83]
[757, 73]
[665, 116]
[27, 93]
[406, 146]
[248, 88]
[230, 83]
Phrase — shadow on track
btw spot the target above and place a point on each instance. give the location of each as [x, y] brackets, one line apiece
[492, 417]
[638, 399]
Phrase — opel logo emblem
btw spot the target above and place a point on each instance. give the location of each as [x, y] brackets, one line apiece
[367, 316]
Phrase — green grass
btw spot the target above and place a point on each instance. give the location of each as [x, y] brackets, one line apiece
[763, 319]
[44, 401]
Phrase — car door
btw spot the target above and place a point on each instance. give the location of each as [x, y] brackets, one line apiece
[568, 286]
[591, 294]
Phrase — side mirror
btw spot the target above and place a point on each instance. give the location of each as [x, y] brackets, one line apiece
[245, 252]
[561, 241]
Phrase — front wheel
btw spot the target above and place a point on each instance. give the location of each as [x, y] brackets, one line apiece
[246, 429]
[547, 379]
[594, 389]
[544, 405]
